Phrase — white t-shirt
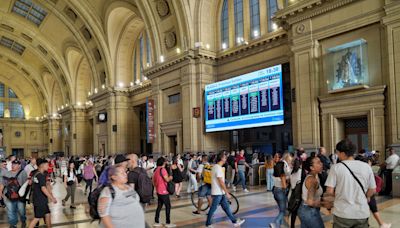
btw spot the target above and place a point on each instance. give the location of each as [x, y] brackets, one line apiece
[217, 172]
[350, 200]
[29, 168]
[294, 178]
[71, 176]
[392, 161]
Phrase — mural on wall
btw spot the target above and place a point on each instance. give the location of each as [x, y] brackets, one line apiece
[347, 65]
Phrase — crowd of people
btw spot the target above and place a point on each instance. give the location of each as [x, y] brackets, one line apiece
[124, 184]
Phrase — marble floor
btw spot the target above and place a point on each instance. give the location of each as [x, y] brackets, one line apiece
[257, 207]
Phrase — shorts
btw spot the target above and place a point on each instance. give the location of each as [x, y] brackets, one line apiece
[372, 205]
[41, 210]
[204, 190]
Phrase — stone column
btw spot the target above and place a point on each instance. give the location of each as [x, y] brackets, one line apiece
[120, 111]
[391, 59]
[54, 134]
[305, 74]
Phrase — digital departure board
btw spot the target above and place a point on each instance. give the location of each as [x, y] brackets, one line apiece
[250, 100]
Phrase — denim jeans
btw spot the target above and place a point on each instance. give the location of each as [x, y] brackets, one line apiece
[269, 179]
[241, 179]
[281, 199]
[13, 209]
[217, 200]
[310, 217]
[192, 183]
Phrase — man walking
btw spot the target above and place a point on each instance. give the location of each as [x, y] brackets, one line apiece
[191, 172]
[220, 194]
[41, 193]
[391, 163]
[12, 181]
[351, 183]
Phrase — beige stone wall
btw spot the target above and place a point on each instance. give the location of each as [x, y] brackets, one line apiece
[33, 137]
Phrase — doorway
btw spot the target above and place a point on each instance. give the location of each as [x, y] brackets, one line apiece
[173, 144]
[18, 152]
[356, 130]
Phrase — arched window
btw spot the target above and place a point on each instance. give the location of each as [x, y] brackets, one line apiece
[141, 57]
[272, 8]
[254, 18]
[225, 25]
[238, 6]
[9, 101]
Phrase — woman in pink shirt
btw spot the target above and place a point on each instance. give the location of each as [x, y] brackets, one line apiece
[160, 179]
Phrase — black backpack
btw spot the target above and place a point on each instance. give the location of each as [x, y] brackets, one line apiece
[143, 186]
[296, 196]
[93, 199]
[13, 187]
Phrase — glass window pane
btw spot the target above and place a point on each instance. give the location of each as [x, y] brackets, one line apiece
[1, 109]
[141, 56]
[225, 25]
[16, 110]
[11, 94]
[134, 66]
[272, 8]
[1, 90]
[239, 21]
[254, 18]
[31, 11]
[148, 47]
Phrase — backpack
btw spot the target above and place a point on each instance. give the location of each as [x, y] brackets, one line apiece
[296, 196]
[13, 187]
[207, 174]
[93, 199]
[379, 183]
[143, 186]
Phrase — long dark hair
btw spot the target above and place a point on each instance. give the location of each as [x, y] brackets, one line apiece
[279, 169]
[296, 165]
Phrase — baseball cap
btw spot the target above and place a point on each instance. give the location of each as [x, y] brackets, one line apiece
[120, 158]
[16, 162]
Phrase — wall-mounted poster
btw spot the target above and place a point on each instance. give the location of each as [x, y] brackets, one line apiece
[346, 65]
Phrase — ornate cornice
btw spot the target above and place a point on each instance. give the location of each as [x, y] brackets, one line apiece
[307, 9]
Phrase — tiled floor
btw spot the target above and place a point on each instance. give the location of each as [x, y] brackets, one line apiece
[257, 207]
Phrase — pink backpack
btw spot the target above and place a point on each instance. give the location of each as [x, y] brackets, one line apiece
[379, 183]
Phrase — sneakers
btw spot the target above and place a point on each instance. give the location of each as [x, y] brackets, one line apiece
[196, 213]
[170, 225]
[246, 191]
[272, 225]
[239, 222]
[386, 225]
[157, 225]
[234, 188]
[210, 226]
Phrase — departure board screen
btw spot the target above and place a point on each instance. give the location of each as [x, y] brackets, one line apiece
[247, 101]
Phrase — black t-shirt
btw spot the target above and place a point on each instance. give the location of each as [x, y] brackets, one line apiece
[39, 181]
[231, 161]
[133, 176]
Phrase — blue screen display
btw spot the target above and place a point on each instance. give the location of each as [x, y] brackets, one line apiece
[247, 101]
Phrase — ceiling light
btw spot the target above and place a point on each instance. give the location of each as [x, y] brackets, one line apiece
[274, 26]
[89, 93]
[178, 50]
[62, 106]
[224, 46]
[95, 90]
[103, 86]
[78, 103]
[121, 84]
[145, 78]
[207, 46]
[137, 81]
[256, 33]
[148, 64]
[161, 58]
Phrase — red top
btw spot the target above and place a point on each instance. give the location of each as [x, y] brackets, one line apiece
[238, 158]
[51, 166]
[160, 183]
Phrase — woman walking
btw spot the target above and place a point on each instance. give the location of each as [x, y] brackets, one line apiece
[269, 167]
[282, 171]
[177, 177]
[309, 211]
[70, 182]
[160, 180]
[119, 201]
[89, 173]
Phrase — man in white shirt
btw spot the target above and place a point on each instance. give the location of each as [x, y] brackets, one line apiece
[220, 193]
[31, 166]
[350, 208]
[191, 172]
[391, 163]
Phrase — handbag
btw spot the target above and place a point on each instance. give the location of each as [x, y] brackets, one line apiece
[22, 189]
[170, 185]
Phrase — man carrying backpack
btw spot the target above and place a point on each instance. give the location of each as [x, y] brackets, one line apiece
[138, 177]
[204, 172]
[12, 181]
